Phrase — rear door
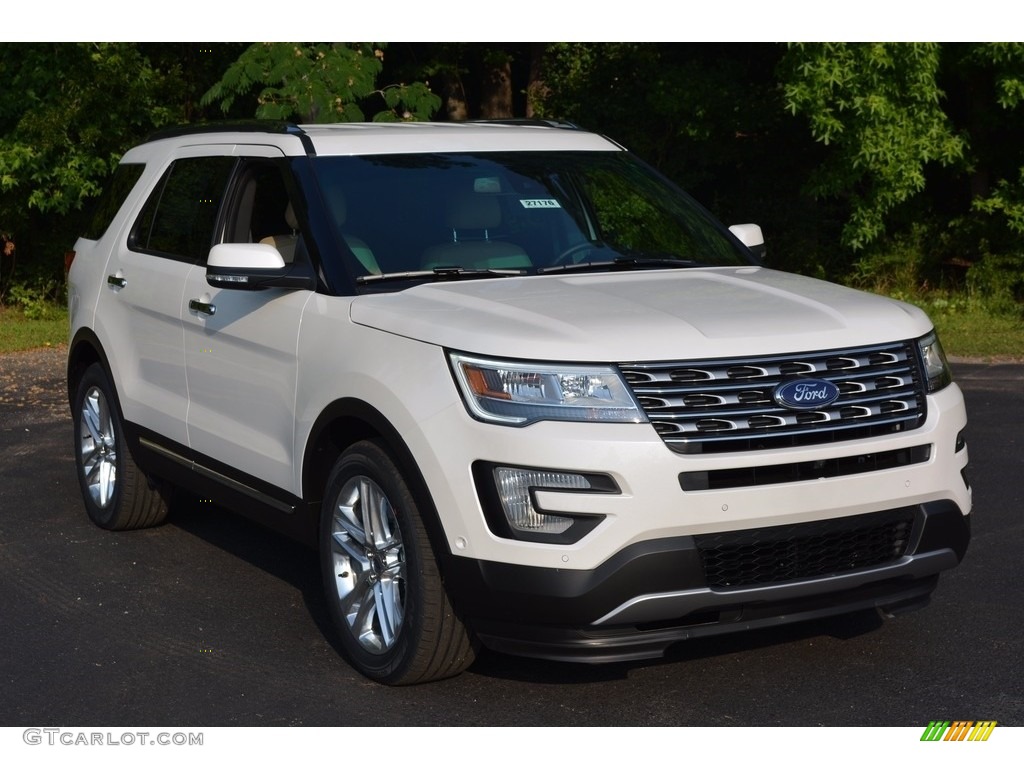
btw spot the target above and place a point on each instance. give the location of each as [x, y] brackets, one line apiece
[144, 282]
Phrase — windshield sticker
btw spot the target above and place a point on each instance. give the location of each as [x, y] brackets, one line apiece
[540, 203]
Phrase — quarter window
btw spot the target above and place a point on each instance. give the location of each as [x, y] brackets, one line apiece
[116, 192]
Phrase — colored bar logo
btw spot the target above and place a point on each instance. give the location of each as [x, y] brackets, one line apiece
[958, 730]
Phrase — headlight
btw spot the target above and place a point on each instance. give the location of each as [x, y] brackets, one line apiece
[521, 393]
[936, 368]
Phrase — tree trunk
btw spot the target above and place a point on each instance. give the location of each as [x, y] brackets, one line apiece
[536, 89]
[496, 88]
[456, 106]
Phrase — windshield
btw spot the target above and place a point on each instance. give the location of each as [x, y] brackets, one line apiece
[407, 216]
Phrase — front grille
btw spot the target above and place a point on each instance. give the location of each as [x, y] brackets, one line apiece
[717, 406]
[805, 550]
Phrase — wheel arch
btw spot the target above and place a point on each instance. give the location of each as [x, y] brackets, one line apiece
[130, 499]
[347, 421]
[84, 350]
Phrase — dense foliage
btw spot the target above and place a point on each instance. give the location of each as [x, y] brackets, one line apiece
[320, 83]
[896, 166]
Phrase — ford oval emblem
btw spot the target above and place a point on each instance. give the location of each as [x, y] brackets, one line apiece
[806, 394]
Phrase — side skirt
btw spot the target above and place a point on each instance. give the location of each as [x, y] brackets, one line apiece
[243, 494]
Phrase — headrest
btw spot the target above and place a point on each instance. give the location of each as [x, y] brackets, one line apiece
[474, 211]
[289, 217]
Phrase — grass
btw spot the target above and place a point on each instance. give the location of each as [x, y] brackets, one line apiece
[968, 329]
[18, 332]
[977, 335]
[972, 330]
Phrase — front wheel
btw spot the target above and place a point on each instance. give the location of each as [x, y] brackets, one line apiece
[383, 588]
[117, 494]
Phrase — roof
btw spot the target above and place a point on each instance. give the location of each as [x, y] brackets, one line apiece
[395, 138]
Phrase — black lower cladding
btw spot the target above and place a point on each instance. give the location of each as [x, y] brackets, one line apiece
[552, 613]
[806, 550]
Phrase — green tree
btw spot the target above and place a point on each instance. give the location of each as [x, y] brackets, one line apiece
[878, 110]
[320, 83]
[991, 79]
[859, 160]
[69, 112]
[711, 117]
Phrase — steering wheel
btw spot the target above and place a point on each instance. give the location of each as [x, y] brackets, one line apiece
[568, 255]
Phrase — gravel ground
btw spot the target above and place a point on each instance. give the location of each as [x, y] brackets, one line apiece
[34, 378]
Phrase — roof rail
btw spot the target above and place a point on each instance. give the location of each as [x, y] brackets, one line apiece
[226, 126]
[530, 121]
[235, 126]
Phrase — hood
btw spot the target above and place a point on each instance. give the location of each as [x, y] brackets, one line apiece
[646, 315]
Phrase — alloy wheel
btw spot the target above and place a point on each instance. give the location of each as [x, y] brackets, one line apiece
[368, 560]
[98, 448]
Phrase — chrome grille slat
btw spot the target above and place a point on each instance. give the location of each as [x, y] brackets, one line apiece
[676, 403]
[815, 363]
[727, 404]
[904, 373]
[684, 424]
[733, 438]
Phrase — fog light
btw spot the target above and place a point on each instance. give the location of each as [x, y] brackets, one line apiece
[514, 492]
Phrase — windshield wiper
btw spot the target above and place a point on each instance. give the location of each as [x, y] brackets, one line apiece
[439, 273]
[622, 263]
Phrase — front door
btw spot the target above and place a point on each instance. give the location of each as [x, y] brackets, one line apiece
[240, 346]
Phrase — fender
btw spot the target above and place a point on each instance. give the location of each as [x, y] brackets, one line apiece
[347, 421]
[83, 350]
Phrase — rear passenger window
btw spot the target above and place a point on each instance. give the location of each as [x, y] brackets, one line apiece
[114, 195]
[179, 217]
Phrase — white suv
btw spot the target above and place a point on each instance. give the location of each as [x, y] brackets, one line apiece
[517, 388]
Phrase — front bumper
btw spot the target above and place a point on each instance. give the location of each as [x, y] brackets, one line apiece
[656, 593]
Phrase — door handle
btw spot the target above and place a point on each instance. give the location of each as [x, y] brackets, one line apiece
[117, 281]
[201, 306]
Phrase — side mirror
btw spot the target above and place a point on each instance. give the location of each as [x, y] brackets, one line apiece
[751, 236]
[254, 266]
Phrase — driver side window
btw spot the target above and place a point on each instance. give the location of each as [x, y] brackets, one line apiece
[261, 210]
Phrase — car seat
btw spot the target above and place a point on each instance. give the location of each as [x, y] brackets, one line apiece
[471, 219]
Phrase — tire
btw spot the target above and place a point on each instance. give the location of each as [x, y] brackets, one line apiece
[117, 494]
[384, 592]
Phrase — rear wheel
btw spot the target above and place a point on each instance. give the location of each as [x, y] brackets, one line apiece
[117, 494]
[383, 587]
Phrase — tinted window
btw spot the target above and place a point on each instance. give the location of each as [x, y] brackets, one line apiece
[109, 203]
[260, 204]
[531, 211]
[179, 217]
